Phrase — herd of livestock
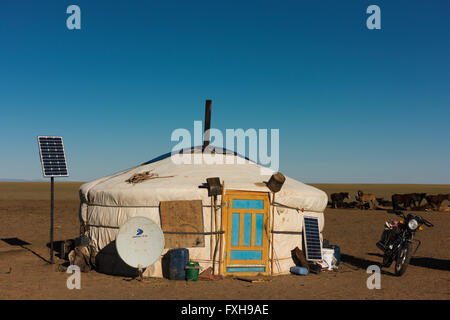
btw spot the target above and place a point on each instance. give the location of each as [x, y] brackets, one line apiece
[409, 201]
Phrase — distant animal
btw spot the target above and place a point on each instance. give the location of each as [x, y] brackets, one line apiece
[402, 201]
[417, 198]
[436, 200]
[350, 205]
[363, 206]
[384, 203]
[366, 198]
[337, 199]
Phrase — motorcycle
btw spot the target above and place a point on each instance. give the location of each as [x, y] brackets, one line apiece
[397, 239]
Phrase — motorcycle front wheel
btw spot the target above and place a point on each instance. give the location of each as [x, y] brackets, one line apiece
[403, 259]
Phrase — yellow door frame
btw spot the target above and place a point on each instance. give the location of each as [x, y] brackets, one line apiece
[226, 222]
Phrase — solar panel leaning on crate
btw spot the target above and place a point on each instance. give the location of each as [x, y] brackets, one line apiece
[312, 238]
[53, 158]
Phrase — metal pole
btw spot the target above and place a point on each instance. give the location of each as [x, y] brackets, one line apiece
[52, 179]
[207, 123]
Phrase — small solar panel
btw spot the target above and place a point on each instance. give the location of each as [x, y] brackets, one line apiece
[312, 238]
[53, 158]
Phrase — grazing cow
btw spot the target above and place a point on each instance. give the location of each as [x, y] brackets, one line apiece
[366, 198]
[404, 199]
[417, 198]
[337, 199]
[436, 200]
[408, 200]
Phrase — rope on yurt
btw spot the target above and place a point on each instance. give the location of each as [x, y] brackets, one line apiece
[287, 232]
[277, 204]
[209, 233]
[122, 206]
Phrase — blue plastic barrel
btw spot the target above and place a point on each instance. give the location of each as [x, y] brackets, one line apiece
[178, 259]
[299, 270]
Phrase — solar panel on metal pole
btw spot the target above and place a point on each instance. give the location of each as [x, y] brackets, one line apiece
[54, 164]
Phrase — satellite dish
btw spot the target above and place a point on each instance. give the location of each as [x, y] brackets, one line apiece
[140, 242]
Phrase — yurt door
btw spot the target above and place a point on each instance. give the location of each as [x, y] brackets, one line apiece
[246, 219]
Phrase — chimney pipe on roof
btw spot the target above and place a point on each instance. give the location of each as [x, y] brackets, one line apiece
[207, 124]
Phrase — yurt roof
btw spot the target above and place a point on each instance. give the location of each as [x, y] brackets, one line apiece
[171, 181]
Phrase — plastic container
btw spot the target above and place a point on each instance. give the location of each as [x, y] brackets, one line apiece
[178, 259]
[192, 270]
[337, 251]
[299, 270]
[328, 256]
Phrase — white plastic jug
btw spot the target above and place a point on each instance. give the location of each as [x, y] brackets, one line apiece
[328, 256]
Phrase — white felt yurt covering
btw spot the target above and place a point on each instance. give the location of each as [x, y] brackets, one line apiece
[107, 203]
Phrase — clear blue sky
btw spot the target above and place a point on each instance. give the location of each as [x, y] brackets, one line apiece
[351, 104]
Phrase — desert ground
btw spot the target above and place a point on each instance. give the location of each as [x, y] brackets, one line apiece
[26, 274]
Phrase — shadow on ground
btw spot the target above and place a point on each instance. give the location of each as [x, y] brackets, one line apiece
[20, 243]
[424, 262]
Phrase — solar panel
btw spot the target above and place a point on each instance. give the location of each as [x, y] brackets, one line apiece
[53, 158]
[312, 238]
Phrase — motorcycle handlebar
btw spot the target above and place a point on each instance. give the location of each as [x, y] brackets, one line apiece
[401, 214]
[427, 223]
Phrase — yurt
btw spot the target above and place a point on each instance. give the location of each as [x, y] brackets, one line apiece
[245, 230]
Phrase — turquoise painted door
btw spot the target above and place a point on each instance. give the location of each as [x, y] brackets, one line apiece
[247, 237]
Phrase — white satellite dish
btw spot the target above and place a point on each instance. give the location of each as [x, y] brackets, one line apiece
[140, 242]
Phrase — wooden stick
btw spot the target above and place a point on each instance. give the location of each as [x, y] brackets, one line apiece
[211, 229]
[273, 216]
[221, 228]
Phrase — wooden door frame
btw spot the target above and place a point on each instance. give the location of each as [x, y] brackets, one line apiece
[250, 195]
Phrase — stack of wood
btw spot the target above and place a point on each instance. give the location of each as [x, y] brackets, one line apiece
[141, 177]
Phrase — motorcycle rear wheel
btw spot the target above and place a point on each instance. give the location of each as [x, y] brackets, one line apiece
[403, 259]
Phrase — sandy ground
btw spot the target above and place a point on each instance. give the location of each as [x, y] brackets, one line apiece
[24, 212]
